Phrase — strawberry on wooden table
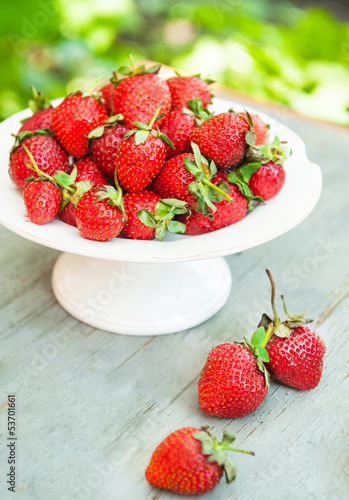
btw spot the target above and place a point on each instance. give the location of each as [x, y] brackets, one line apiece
[141, 155]
[221, 138]
[138, 96]
[295, 351]
[191, 461]
[73, 120]
[46, 152]
[234, 380]
[100, 213]
[187, 88]
[42, 113]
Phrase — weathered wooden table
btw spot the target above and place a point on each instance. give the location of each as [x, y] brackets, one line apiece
[92, 406]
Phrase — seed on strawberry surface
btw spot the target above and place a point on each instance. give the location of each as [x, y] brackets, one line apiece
[295, 351]
[191, 461]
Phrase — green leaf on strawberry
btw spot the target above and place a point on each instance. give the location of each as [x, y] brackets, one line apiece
[162, 217]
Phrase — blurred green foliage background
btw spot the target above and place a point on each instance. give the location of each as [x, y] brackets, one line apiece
[274, 50]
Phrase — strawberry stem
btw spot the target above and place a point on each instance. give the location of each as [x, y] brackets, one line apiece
[268, 334]
[216, 188]
[237, 449]
[153, 120]
[132, 63]
[271, 279]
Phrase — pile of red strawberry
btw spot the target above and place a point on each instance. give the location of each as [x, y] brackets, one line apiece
[143, 156]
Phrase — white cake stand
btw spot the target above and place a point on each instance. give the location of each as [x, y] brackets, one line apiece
[151, 287]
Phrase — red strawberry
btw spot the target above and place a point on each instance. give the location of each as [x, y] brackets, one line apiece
[227, 212]
[260, 128]
[46, 151]
[295, 351]
[42, 113]
[179, 126]
[100, 214]
[42, 200]
[268, 180]
[74, 119]
[190, 461]
[149, 217]
[108, 96]
[134, 202]
[297, 361]
[141, 156]
[95, 178]
[234, 381]
[105, 147]
[67, 214]
[186, 88]
[174, 179]
[221, 138]
[87, 164]
[187, 177]
[138, 96]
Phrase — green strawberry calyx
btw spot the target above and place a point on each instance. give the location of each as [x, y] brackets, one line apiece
[132, 70]
[39, 101]
[195, 108]
[111, 121]
[113, 196]
[209, 81]
[71, 190]
[241, 178]
[22, 136]
[142, 130]
[277, 327]
[214, 451]
[202, 188]
[162, 217]
[256, 346]
[276, 151]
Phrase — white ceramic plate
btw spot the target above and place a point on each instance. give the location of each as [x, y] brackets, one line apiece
[292, 205]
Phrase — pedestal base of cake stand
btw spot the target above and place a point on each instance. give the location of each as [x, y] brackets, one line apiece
[140, 299]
